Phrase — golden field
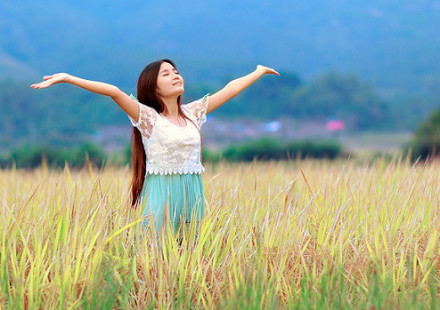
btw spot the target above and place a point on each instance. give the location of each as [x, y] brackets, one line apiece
[292, 234]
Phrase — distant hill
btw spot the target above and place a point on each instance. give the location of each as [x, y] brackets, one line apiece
[393, 44]
[386, 54]
[64, 115]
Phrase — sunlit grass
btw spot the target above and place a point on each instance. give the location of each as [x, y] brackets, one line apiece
[275, 235]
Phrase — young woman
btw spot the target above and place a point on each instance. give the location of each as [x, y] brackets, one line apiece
[166, 138]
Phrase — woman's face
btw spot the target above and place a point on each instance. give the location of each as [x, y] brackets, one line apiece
[169, 81]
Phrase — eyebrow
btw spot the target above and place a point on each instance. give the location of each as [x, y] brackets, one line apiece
[167, 70]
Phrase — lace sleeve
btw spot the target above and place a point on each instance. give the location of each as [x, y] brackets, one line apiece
[147, 119]
[198, 109]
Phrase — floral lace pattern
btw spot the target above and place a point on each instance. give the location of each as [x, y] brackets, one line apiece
[169, 148]
[147, 119]
[174, 169]
[198, 109]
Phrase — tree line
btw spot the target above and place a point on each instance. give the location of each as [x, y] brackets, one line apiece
[64, 115]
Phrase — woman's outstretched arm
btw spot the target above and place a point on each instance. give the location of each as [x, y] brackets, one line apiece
[236, 86]
[122, 99]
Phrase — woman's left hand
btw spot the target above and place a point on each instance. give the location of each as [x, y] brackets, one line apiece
[266, 70]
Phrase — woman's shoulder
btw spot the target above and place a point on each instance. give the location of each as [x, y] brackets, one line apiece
[186, 109]
[143, 106]
[196, 105]
[146, 120]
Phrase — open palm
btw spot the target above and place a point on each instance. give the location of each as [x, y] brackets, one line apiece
[50, 80]
[267, 70]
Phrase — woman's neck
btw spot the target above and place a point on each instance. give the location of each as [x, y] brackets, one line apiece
[171, 107]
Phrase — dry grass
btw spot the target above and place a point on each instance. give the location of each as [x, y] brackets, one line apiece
[274, 235]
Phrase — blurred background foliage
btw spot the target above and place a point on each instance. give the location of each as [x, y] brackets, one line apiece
[426, 141]
[265, 148]
[373, 65]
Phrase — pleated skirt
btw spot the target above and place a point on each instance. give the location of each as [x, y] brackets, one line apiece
[173, 199]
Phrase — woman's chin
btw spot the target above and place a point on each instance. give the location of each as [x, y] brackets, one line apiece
[180, 91]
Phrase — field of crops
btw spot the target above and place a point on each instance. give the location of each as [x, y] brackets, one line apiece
[303, 233]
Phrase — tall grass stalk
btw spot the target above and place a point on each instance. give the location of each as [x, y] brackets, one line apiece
[292, 234]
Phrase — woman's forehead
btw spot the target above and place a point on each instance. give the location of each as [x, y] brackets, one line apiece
[166, 66]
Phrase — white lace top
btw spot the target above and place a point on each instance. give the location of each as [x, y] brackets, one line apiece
[171, 149]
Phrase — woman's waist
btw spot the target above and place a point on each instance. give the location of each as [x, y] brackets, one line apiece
[163, 167]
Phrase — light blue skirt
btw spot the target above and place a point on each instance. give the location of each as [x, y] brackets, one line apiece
[172, 199]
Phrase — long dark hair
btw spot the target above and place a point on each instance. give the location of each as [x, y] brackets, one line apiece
[147, 94]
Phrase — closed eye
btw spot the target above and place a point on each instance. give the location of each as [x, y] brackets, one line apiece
[166, 72]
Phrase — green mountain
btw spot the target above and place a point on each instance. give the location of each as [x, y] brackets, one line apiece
[386, 53]
[393, 44]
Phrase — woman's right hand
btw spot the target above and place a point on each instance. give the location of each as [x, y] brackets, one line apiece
[50, 80]
[266, 70]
